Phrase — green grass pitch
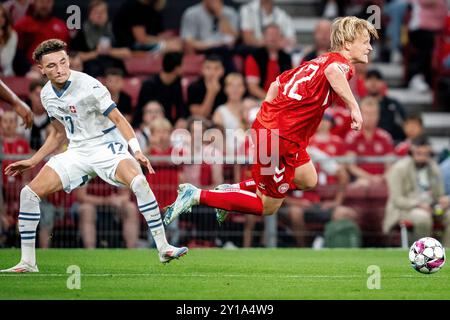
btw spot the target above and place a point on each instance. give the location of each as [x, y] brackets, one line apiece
[223, 274]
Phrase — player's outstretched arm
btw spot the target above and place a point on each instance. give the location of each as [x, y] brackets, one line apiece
[21, 108]
[54, 139]
[339, 83]
[128, 133]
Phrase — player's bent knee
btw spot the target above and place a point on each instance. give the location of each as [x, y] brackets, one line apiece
[139, 184]
[27, 194]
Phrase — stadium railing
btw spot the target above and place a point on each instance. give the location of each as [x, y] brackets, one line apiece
[197, 229]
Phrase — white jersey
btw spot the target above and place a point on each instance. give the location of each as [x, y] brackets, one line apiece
[82, 106]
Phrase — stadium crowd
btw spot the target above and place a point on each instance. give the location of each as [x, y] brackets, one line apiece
[216, 68]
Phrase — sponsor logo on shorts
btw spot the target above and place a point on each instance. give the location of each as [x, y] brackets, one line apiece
[283, 188]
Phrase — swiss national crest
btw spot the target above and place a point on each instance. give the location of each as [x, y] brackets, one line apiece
[72, 109]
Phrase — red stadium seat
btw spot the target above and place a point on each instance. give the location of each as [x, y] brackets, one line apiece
[20, 85]
[192, 64]
[143, 64]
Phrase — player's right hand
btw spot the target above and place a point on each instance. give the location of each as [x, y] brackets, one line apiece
[18, 167]
[356, 119]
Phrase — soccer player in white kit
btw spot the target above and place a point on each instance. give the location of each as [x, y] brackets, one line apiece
[81, 109]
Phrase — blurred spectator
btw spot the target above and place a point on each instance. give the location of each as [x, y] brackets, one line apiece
[114, 83]
[165, 183]
[96, 44]
[139, 25]
[392, 112]
[415, 189]
[206, 94]
[165, 88]
[39, 25]
[396, 11]
[40, 129]
[445, 170]
[204, 172]
[266, 63]
[413, 128]
[8, 44]
[257, 15]
[229, 115]
[98, 197]
[17, 8]
[322, 42]
[370, 141]
[331, 9]
[210, 27]
[342, 120]
[12, 144]
[307, 206]
[75, 61]
[428, 18]
[153, 112]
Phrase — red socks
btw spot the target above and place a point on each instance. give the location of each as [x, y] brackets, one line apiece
[233, 200]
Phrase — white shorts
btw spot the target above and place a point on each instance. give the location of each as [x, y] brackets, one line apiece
[84, 161]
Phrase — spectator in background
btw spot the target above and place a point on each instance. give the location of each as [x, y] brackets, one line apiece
[153, 112]
[96, 44]
[392, 112]
[413, 128]
[164, 87]
[257, 15]
[445, 170]
[322, 41]
[415, 188]
[264, 65]
[206, 94]
[396, 11]
[114, 84]
[100, 197]
[165, 183]
[8, 43]
[12, 144]
[428, 18]
[75, 61]
[139, 25]
[229, 115]
[40, 129]
[17, 8]
[38, 26]
[331, 9]
[210, 27]
[370, 141]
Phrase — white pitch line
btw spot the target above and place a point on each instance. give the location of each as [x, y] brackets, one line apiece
[196, 275]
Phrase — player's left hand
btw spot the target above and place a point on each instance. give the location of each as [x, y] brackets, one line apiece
[24, 111]
[139, 156]
[356, 119]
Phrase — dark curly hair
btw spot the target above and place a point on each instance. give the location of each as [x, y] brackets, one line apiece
[48, 46]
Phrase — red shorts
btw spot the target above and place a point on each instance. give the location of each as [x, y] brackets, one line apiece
[274, 170]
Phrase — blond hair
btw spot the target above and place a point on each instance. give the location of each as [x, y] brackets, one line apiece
[162, 123]
[370, 102]
[347, 29]
[233, 76]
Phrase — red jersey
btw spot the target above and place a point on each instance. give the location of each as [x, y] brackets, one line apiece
[303, 95]
[31, 32]
[165, 182]
[16, 146]
[402, 148]
[380, 145]
[252, 71]
[342, 121]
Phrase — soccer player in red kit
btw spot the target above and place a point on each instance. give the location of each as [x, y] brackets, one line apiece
[288, 117]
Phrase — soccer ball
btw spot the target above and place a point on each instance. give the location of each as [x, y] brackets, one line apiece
[427, 255]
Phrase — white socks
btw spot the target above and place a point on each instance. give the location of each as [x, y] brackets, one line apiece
[29, 216]
[149, 209]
